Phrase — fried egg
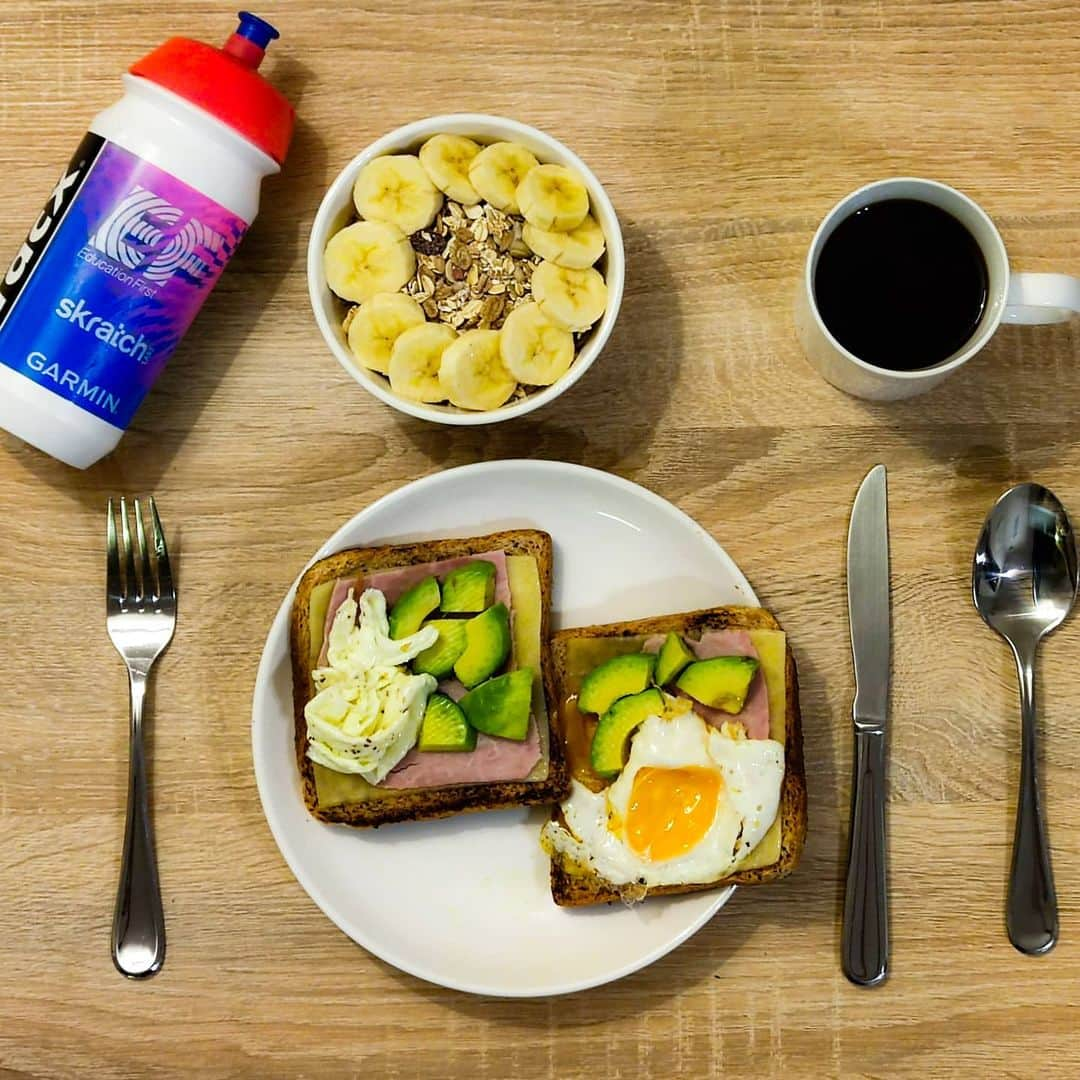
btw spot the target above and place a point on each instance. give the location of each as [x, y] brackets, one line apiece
[690, 804]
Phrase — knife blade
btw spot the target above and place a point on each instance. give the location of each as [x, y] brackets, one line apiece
[868, 599]
[865, 941]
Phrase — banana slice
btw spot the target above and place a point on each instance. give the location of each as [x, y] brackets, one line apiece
[472, 373]
[553, 197]
[366, 258]
[415, 360]
[577, 249]
[535, 351]
[497, 171]
[572, 299]
[447, 158]
[378, 324]
[395, 189]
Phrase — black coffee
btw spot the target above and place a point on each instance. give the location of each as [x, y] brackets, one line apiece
[901, 284]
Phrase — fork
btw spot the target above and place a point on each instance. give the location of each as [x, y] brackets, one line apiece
[140, 606]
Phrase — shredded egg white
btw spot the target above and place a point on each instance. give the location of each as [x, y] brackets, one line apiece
[366, 714]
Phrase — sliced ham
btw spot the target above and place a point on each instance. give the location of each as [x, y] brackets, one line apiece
[755, 713]
[723, 643]
[492, 761]
[392, 583]
[452, 689]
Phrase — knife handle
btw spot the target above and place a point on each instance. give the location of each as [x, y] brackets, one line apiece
[865, 944]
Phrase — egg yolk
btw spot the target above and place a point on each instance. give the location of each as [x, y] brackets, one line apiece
[671, 810]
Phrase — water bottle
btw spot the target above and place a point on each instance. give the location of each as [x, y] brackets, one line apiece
[133, 237]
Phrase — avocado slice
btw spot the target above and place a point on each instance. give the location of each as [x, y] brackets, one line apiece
[413, 607]
[487, 646]
[444, 726]
[439, 659]
[721, 682]
[469, 588]
[502, 706]
[608, 752]
[674, 655]
[615, 678]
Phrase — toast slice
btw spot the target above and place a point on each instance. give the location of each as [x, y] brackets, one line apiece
[573, 885]
[549, 781]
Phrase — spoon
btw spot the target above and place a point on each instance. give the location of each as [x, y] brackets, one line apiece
[1024, 582]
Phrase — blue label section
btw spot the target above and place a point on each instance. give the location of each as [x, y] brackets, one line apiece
[110, 278]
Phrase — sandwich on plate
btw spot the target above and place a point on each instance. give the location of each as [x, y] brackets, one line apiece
[684, 743]
[422, 681]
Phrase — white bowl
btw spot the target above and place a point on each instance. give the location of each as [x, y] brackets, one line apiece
[336, 210]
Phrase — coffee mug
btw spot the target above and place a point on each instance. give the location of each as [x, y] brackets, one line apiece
[1010, 297]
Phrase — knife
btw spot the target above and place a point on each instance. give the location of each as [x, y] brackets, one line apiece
[865, 943]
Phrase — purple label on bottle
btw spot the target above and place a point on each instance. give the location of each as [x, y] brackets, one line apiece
[110, 278]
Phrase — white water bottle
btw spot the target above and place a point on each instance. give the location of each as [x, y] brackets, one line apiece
[133, 238]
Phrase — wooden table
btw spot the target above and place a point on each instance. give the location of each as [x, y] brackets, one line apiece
[723, 132]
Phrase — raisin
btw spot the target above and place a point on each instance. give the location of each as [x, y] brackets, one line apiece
[427, 243]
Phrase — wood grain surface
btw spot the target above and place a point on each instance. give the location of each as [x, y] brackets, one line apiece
[723, 130]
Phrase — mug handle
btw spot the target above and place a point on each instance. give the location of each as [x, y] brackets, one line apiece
[1038, 299]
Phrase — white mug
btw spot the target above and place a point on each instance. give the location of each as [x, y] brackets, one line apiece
[1015, 298]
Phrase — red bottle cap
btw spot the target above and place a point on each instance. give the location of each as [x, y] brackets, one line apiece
[225, 83]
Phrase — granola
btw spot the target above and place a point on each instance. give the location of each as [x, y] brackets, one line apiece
[472, 267]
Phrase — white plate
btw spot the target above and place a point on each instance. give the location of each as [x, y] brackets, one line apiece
[465, 902]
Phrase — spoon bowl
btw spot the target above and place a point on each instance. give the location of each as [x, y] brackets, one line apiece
[1025, 573]
[1023, 583]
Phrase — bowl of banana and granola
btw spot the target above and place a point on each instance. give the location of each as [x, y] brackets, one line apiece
[466, 269]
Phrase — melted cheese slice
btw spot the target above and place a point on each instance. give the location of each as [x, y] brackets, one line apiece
[771, 648]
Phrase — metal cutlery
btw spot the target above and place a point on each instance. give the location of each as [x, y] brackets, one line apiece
[1023, 582]
[865, 941]
[140, 605]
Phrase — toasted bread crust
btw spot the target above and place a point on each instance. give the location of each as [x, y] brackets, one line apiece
[575, 887]
[420, 804]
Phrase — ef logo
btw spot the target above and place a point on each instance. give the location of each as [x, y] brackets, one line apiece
[142, 234]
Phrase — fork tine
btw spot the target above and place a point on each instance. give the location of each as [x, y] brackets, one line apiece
[166, 590]
[113, 585]
[131, 585]
[146, 576]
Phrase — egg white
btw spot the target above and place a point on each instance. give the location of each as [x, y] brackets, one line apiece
[751, 770]
[367, 712]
